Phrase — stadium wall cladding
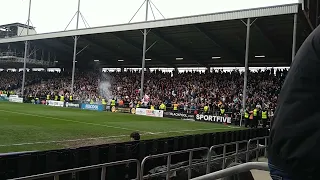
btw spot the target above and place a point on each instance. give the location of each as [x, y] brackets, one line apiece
[19, 165]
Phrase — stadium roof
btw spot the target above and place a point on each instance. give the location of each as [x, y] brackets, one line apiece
[16, 24]
[216, 39]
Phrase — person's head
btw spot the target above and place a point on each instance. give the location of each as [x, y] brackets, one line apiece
[135, 136]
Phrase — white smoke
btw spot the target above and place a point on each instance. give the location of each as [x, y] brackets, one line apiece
[105, 86]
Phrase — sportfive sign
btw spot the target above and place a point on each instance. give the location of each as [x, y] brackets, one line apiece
[210, 118]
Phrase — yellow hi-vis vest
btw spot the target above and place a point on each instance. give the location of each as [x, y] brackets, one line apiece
[264, 115]
[103, 101]
[113, 102]
[71, 98]
[91, 101]
[175, 107]
[222, 111]
[162, 107]
[246, 115]
[56, 98]
[48, 97]
[255, 112]
[61, 98]
[152, 107]
[205, 108]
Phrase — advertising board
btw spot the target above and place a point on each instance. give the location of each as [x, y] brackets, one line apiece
[210, 118]
[93, 107]
[72, 105]
[178, 115]
[16, 99]
[55, 103]
[149, 112]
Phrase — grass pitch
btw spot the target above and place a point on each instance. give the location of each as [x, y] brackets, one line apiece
[27, 127]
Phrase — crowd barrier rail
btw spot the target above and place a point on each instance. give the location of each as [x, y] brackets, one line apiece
[103, 168]
[140, 167]
[168, 155]
[234, 170]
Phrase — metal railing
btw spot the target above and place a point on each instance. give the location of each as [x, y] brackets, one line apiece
[258, 147]
[140, 167]
[224, 154]
[235, 170]
[168, 169]
[103, 168]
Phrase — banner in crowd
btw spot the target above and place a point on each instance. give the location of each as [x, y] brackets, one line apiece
[210, 118]
[72, 105]
[93, 107]
[149, 112]
[15, 99]
[178, 115]
[55, 103]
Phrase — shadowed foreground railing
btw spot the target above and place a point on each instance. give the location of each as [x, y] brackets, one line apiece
[235, 170]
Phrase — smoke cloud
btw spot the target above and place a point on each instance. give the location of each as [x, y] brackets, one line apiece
[105, 86]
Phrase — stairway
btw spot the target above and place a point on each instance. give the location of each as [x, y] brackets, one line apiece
[261, 175]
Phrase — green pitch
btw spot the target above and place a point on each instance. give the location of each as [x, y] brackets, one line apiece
[27, 127]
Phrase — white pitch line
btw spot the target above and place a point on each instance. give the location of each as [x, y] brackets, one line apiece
[61, 141]
[104, 137]
[68, 120]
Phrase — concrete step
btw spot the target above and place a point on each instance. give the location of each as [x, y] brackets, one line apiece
[261, 175]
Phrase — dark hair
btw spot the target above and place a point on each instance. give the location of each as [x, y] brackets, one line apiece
[135, 136]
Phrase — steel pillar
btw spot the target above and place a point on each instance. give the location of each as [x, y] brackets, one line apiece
[144, 52]
[294, 36]
[25, 53]
[75, 49]
[246, 69]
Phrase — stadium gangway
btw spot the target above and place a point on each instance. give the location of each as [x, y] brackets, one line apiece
[103, 168]
[235, 170]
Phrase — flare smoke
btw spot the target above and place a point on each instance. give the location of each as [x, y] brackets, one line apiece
[105, 90]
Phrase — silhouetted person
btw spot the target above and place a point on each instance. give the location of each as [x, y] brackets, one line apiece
[135, 136]
[294, 150]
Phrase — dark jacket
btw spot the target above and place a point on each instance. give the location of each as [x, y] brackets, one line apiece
[295, 133]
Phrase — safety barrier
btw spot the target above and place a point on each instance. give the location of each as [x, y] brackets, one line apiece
[224, 154]
[169, 155]
[258, 147]
[103, 168]
[235, 170]
[140, 167]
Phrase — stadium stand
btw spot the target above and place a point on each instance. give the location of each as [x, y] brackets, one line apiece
[191, 90]
[221, 91]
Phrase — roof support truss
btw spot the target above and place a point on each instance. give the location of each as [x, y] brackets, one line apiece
[264, 34]
[176, 46]
[139, 47]
[239, 57]
[112, 50]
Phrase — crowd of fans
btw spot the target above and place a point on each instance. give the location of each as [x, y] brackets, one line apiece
[188, 89]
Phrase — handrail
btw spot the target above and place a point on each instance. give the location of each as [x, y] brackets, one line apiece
[56, 174]
[140, 167]
[224, 152]
[257, 148]
[234, 170]
[168, 155]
